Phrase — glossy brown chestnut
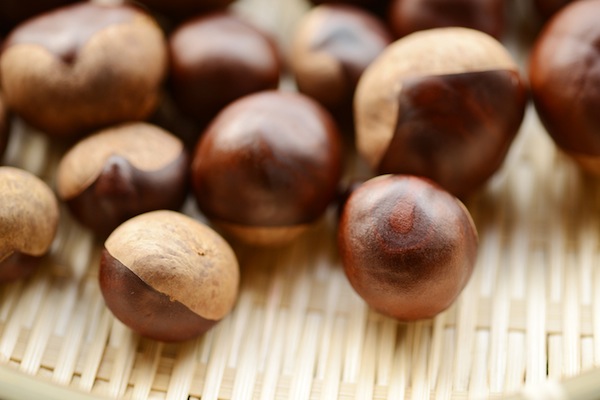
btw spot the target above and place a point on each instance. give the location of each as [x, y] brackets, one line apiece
[267, 167]
[167, 276]
[121, 172]
[564, 73]
[408, 16]
[4, 125]
[216, 59]
[13, 12]
[331, 48]
[376, 6]
[180, 9]
[28, 222]
[408, 247]
[82, 67]
[443, 103]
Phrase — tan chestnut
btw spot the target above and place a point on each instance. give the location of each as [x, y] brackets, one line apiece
[408, 247]
[28, 222]
[167, 276]
[84, 66]
[331, 48]
[443, 103]
[120, 172]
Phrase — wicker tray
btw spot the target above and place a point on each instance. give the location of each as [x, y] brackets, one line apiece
[529, 314]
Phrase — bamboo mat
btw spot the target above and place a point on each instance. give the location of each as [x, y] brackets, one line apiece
[529, 314]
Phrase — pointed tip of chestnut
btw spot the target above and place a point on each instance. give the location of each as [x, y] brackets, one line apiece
[407, 246]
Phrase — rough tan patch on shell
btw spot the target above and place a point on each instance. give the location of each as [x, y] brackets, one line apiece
[115, 78]
[432, 52]
[144, 146]
[28, 213]
[180, 257]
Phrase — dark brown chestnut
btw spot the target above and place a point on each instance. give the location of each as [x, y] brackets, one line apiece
[443, 103]
[121, 172]
[28, 222]
[218, 58]
[82, 67]
[180, 9]
[376, 6]
[564, 74]
[408, 247]
[408, 16]
[331, 48]
[13, 12]
[167, 276]
[267, 167]
[548, 8]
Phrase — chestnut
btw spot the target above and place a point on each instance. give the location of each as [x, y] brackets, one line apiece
[547, 8]
[408, 16]
[407, 246]
[120, 172]
[4, 125]
[267, 167]
[444, 103]
[82, 67]
[167, 276]
[28, 219]
[217, 58]
[331, 48]
[13, 12]
[376, 6]
[180, 9]
[564, 74]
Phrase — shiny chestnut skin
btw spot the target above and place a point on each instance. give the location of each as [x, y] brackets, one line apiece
[331, 48]
[217, 58]
[443, 103]
[120, 172]
[564, 74]
[408, 16]
[28, 222]
[82, 67]
[13, 12]
[408, 247]
[180, 9]
[167, 276]
[267, 167]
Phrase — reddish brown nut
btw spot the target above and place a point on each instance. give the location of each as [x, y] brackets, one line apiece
[121, 172]
[83, 67]
[267, 167]
[444, 103]
[332, 46]
[408, 247]
[216, 59]
[180, 9]
[28, 222]
[564, 73]
[13, 12]
[408, 16]
[4, 125]
[548, 8]
[167, 276]
[376, 6]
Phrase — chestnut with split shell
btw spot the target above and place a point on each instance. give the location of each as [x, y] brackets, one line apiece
[408, 247]
[443, 103]
[167, 276]
[267, 167]
[123, 171]
[564, 73]
[28, 222]
[83, 67]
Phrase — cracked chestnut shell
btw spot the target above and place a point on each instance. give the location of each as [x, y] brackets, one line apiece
[120, 172]
[407, 246]
[408, 16]
[216, 59]
[443, 103]
[267, 167]
[332, 46]
[28, 222]
[564, 74]
[82, 67]
[167, 276]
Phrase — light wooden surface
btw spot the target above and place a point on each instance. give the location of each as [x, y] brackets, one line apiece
[530, 313]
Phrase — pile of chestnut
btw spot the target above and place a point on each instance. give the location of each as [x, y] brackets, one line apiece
[423, 90]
